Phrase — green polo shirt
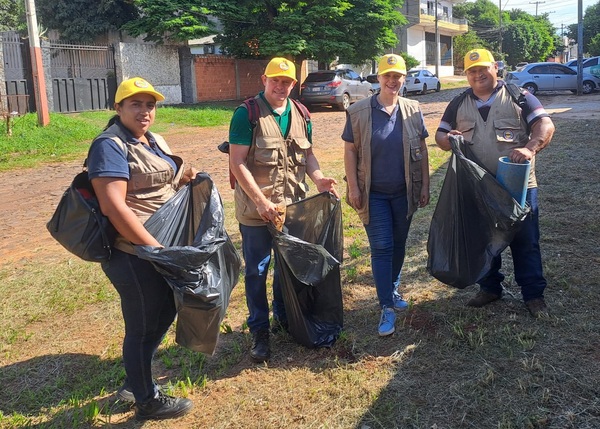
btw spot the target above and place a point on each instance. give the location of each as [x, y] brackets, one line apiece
[240, 128]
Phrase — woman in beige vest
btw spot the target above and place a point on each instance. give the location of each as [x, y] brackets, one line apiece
[133, 173]
[387, 171]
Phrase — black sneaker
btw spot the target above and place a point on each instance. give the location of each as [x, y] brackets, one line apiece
[124, 394]
[260, 351]
[162, 407]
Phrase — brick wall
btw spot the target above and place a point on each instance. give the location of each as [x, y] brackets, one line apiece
[223, 78]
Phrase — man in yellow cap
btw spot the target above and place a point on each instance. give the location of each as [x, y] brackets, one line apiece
[269, 158]
[499, 120]
[387, 171]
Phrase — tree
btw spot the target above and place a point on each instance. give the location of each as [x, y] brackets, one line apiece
[84, 20]
[529, 38]
[591, 28]
[594, 46]
[463, 44]
[12, 15]
[352, 30]
[176, 20]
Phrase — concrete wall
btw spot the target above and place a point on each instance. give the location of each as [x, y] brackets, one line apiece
[224, 78]
[158, 64]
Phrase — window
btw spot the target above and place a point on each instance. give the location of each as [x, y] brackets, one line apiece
[445, 50]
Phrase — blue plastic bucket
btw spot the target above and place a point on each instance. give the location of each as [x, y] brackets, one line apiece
[514, 177]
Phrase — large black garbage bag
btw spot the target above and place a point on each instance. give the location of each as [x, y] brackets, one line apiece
[309, 252]
[474, 220]
[198, 261]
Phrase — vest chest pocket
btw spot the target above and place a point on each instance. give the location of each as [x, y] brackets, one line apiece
[267, 150]
[297, 151]
[415, 150]
[149, 185]
[508, 130]
[467, 128]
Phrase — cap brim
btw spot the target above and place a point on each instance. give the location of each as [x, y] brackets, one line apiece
[281, 75]
[402, 72]
[481, 64]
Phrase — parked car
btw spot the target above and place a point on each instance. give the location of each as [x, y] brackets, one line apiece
[590, 65]
[338, 88]
[501, 69]
[521, 65]
[372, 79]
[536, 77]
[420, 81]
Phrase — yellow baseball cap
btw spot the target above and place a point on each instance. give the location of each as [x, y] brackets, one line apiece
[391, 63]
[281, 67]
[479, 58]
[136, 85]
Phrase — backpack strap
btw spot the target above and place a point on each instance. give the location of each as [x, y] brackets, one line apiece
[253, 110]
[516, 93]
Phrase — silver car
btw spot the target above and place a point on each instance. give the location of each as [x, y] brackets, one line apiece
[420, 81]
[338, 88]
[536, 77]
[589, 65]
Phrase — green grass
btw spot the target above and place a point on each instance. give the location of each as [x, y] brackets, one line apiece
[68, 136]
[447, 366]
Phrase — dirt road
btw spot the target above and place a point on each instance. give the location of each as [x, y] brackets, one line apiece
[29, 196]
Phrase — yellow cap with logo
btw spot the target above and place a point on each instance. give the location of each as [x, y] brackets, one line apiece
[479, 58]
[136, 85]
[391, 63]
[281, 67]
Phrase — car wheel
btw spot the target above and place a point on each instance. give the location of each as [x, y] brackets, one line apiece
[345, 102]
[438, 87]
[424, 91]
[371, 92]
[531, 88]
[404, 91]
[587, 87]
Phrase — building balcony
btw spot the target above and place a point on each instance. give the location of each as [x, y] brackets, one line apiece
[448, 24]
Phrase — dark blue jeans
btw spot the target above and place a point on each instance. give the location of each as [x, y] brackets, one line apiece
[527, 258]
[148, 308]
[257, 244]
[387, 231]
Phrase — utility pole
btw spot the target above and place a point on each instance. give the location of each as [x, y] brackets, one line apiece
[437, 42]
[37, 68]
[536, 3]
[579, 48]
[500, 20]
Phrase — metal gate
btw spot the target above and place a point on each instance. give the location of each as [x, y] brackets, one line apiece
[83, 77]
[17, 74]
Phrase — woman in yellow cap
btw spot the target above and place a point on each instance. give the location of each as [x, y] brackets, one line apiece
[133, 173]
[387, 173]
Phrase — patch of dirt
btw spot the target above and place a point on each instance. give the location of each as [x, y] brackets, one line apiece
[29, 196]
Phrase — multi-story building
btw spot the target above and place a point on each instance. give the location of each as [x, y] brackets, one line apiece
[426, 20]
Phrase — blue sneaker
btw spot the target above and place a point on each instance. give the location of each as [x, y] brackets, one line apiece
[387, 321]
[399, 303]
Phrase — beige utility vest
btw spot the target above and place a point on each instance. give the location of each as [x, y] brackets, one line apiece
[278, 164]
[504, 130]
[361, 122]
[152, 180]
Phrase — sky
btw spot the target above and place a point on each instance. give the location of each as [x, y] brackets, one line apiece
[560, 12]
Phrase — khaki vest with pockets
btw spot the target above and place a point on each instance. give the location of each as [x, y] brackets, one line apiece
[152, 180]
[277, 164]
[361, 122]
[504, 130]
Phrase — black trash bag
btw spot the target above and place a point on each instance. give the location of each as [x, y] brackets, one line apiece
[198, 261]
[474, 220]
[309, 253]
